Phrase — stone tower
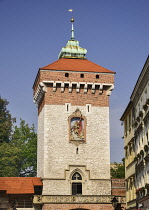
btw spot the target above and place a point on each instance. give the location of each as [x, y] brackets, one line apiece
[72, 95]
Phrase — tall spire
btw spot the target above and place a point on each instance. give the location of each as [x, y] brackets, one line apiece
[72, 29]
[72, 49]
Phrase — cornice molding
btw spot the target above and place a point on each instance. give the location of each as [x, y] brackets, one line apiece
[94, 87]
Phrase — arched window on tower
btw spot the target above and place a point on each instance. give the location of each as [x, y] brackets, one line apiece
[76, 184]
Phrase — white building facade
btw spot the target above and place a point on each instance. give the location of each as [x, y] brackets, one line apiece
[139, 109]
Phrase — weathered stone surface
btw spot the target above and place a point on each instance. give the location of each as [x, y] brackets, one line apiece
[76, 199]
[57, 157]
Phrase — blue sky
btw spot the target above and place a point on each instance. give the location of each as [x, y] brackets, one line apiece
[115, 33]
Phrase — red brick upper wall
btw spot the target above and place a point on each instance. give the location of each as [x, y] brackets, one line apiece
[118, 182]
[118, 187]
[73, 77]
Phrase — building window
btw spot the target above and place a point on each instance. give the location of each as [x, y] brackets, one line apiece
[147, 137]
[126, 127]
[76, 176]
[82, 75]
[66, 75]
[88, 108]
[97, 76]
[67, 107]
[129, 121]
[76, 188]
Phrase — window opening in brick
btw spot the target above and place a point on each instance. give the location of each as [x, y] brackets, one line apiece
[66, 75]
[76, 188]
[82, 75]
[66, 86]
[97, 76]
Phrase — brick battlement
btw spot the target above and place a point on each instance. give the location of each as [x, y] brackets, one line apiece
[67, 76]
[56, 87]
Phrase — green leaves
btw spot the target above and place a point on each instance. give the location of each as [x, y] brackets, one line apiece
[18, 145]
[25, 138]
[118, 170]
[6, 121]
[9, 159]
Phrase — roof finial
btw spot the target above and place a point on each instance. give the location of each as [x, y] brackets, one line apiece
[72, 29]
[72, 49]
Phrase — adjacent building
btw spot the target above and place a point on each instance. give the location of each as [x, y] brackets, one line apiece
[136, 143]
[127, 118]
[18, 192]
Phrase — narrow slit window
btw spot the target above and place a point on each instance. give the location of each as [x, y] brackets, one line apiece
[88, 108]
[67, 107]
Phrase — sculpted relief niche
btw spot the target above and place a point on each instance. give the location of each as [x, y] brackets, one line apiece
[77, 127]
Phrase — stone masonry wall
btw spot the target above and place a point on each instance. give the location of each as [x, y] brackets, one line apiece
[60, 157]
[74, 98]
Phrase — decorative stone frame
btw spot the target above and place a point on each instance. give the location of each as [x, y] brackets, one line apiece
[77, 170]
[82, 181]
[77, 114]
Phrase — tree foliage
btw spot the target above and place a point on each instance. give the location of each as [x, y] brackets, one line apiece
[18, 145]
[118, 170]
[9, 160]
[25, 138]
[6, 121]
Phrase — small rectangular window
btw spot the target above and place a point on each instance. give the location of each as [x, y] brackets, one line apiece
[82, 75]
[76, 188]
[97, 76]
[66, 75]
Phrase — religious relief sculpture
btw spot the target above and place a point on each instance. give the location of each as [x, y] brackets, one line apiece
[77, 126]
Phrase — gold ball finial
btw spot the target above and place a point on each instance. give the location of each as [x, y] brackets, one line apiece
[72, 20]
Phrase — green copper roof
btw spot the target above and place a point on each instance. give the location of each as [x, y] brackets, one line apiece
[72, 49]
